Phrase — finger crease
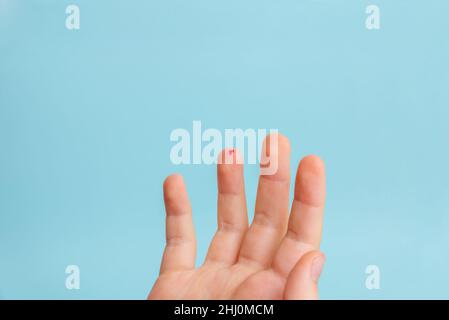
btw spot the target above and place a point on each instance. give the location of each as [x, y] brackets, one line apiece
[178, 241]
[231, 227]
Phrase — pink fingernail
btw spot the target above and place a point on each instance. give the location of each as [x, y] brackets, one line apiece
[317, 267]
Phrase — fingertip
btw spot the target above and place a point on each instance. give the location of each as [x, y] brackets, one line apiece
[314, 164]
[304, 265]
[175, 195]
[302, 280]
[173, 181]
[230, 156]
[310, 184]
[318, 262]
[283, 143]
[230, 171]
[275, 157]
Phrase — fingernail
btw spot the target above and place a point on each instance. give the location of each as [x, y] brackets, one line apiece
[317, 267]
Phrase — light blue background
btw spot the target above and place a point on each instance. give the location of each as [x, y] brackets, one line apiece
[85, 118]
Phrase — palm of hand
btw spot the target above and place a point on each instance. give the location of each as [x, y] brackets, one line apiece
[276, 257]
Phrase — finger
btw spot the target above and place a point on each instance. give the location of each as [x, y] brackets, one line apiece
[272, 205]
[306, 218]
[302, 283]
[232, 213]
[179, 254]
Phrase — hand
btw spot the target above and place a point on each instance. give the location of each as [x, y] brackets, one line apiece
[276, 257]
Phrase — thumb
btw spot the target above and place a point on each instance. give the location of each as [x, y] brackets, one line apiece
[302, 282]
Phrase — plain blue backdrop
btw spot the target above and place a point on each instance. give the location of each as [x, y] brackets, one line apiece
[85, 119]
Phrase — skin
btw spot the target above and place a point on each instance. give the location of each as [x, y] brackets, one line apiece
[276, 257]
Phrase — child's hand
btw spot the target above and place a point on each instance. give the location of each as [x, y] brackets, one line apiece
[276, 257]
